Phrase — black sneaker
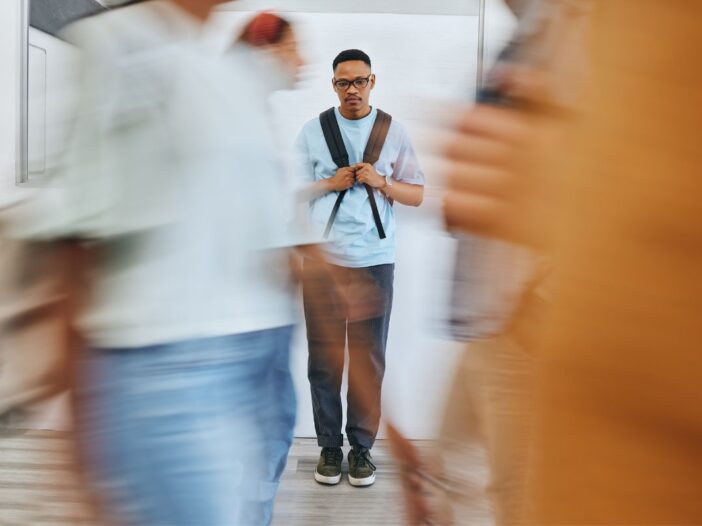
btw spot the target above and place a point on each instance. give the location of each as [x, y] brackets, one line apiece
[361, 467]
[328, 470]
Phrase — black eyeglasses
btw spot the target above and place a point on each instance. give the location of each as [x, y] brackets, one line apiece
[360, 83]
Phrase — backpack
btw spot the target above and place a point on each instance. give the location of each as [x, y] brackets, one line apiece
[335, 143]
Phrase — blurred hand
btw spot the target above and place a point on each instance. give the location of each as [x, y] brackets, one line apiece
[417, 508]
[366, 174]
[494, 183]
[344, 179]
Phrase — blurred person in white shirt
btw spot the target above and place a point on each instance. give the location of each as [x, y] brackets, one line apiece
[185, 401]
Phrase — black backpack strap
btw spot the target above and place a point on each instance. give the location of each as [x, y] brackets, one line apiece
[335, 143]
[332, 134]
[335, 210]
[376, 141]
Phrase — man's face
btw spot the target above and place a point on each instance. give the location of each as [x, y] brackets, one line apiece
[353, 98]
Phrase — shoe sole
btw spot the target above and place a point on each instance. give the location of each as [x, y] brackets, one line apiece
[359, 483]
[330, 481]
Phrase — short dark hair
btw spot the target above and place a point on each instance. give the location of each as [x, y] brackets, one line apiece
[351, 54]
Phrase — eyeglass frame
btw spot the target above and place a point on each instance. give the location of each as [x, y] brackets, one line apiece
[353, 82]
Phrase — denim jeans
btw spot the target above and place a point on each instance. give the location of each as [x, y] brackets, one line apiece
[194, 433]
[330, 324]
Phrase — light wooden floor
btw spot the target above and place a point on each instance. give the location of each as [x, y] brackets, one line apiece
[37, 488]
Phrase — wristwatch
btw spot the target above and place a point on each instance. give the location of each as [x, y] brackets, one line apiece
[388, 181]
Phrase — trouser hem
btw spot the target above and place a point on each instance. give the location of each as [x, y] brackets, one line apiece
[363, 442]
[330, 441]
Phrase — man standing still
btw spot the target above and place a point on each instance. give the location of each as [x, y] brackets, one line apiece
[359, 161]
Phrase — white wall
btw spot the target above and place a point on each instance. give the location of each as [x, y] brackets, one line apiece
[9, 97]
[51, 100]
[60, 59]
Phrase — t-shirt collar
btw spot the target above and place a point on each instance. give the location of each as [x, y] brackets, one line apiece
[356, 122]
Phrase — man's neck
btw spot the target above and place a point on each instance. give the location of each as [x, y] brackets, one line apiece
[356, 115]
[198, 9]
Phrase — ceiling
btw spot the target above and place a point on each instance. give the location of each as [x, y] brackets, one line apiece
[52, 15]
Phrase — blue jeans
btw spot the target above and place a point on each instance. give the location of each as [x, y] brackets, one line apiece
[330, 324]
[194, 433]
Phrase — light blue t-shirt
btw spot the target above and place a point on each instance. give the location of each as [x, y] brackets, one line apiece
[354, 240]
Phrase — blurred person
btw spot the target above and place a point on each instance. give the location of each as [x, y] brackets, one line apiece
[185, 404]
[501, 287]
[370, 165]
[619, 367]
